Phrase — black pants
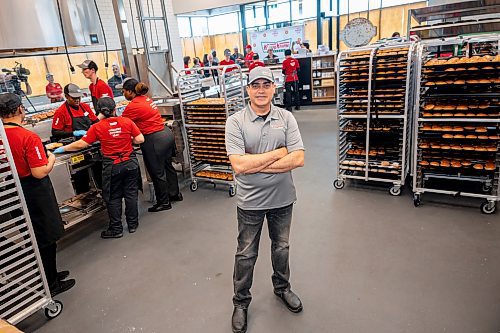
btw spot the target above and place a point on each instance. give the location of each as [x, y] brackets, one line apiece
[124, 185]
[289, 86]
[157, 151]
[250, 224]
[48, 256]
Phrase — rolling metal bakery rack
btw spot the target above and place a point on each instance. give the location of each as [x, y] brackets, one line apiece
[204, 122]
[23, 287]
[457, 105]
[374, 107]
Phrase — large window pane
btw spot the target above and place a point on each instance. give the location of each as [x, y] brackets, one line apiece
[199, 26]
[254, 15]
[360, 6]
[184, 28]
[303, 9]
[222, 24]
[278, 11]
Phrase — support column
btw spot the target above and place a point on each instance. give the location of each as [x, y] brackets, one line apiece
[319, 28]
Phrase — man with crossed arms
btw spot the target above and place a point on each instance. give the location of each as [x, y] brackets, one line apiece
[264, 145]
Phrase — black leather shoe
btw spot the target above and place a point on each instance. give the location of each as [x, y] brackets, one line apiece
[111, 234]
[62, 275]
[132, 229]
[62, 286]
[297, 108]
[177, 197]
[239, 320]
[291, 300]
[159, 208]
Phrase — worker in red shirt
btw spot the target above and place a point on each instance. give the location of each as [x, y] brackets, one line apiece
[73, 118]
[256, 62]
[249, 56]
[159, 145]
[53, 90]
[98, 88]
[120, 172]
[291, 69]
[33, 167]
[227, 61]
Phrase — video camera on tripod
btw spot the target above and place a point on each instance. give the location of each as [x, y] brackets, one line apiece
[11, 81]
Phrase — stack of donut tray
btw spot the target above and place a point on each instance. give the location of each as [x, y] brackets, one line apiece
[204, 122]
[374, 88]
[457, 121]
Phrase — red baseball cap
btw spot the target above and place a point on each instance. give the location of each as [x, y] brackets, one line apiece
[248, 46]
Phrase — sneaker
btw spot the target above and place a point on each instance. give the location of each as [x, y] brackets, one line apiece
[62, 286]
[62, 275]
[177, 197]
[111, 234]
[159, 208]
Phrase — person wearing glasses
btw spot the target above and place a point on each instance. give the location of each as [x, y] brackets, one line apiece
[264, 145]
[33, 166]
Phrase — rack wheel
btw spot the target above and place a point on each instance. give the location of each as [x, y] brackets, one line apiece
[488, 207]
[56, 310]
[339, 184]
[487, 188]
[232, 191]
[416, 200]
[194, 186]
[395, 190]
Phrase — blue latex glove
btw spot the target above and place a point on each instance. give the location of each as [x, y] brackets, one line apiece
[79, 133]
[59, 150]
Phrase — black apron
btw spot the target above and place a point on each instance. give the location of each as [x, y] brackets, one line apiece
[42, 208]
[107, 172]
[79, 123]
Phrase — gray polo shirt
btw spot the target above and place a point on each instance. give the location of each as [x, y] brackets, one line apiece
[247, 133]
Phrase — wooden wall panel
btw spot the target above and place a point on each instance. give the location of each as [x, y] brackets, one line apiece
[220, 45]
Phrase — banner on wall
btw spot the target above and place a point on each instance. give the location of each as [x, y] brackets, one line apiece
[278, 39]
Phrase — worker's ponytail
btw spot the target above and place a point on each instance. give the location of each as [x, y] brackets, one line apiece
[141, 89]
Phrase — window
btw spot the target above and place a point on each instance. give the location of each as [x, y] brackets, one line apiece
[360, 6]
[184, 26]
[222, 24]
[254, 15]
[278, 11]
[199, 26]
[303, 9]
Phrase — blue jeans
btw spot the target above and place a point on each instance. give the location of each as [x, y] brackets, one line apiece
[250, 224]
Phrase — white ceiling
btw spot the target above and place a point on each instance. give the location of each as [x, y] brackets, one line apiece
[186, 6]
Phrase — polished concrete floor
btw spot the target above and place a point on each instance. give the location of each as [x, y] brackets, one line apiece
[361, 260]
